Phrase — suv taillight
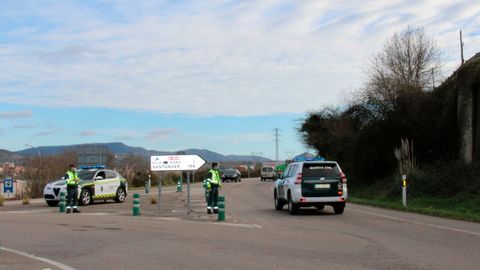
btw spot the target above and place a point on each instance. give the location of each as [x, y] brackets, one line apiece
[298, 180]
[344, 178]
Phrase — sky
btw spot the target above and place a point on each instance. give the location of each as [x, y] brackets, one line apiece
[217, 75]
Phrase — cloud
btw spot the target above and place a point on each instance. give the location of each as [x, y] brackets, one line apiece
[52, 131]
[208, 57]
[160, 134]
[25, 126]
[16, 114]
[87, 133]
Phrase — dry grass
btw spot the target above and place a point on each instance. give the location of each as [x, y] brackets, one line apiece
[2, 199]
[26, 200]
[153, 200]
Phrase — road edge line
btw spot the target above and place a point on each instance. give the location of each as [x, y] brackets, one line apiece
[45, 260]
[416, 222]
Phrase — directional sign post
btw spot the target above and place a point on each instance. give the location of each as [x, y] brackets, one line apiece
[176, 163]
[8, 186]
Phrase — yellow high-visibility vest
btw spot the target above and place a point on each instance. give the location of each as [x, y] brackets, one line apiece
[215, 177]
[72, 176]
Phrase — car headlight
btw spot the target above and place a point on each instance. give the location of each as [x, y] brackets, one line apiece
[48, 187]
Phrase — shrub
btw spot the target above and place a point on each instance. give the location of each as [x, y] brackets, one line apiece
[153, 200]
[26, 200]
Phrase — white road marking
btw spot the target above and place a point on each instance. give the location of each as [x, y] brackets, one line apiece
[45, 260]
[25, 211]
[240, 225]
[416, 222]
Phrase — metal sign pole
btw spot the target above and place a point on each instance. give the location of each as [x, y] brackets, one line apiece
[159, 202]
[188, 193]
[404, 190]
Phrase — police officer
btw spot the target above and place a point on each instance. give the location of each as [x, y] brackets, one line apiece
[213, 184]
[72, 189]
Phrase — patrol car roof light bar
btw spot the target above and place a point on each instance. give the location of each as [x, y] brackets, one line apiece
[89, 167]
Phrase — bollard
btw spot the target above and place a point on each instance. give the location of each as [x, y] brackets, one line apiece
[62, 202]
[179, 185]
[147, 189]
[221, 208]
[206, 190]
[136, 204]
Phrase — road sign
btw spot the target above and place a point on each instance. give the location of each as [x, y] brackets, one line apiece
[176, 163]
[8, 185]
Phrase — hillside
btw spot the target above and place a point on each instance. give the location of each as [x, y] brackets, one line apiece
[121, 149]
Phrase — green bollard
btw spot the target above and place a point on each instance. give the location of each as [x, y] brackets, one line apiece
[146, 187]
[221, 208]
[206, 191]
[136, 204]
[62, 202]
[179, 185]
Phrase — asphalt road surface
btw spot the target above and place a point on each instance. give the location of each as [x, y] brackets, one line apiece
[254, 236]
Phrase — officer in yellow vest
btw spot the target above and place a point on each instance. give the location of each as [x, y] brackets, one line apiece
[72, 189]
[213, 184]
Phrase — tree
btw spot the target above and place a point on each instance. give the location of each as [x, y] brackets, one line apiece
[403, 67]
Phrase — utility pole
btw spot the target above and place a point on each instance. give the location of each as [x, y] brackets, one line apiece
[276, 144]
[433, 80]
[461, 47]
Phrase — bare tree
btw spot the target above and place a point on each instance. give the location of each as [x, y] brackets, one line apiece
[403, 67]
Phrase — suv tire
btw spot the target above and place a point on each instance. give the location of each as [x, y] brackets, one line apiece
[339, 208]
[121, 195]
[85, 197]
[278, 203]
[292, 207]
[52, 203]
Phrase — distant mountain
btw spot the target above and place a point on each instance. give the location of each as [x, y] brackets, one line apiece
[121, 149]
[213, 156]
[7, 156]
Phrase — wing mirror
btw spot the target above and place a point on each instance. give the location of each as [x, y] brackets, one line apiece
[98, 178]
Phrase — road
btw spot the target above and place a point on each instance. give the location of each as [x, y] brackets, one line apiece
[255, 236]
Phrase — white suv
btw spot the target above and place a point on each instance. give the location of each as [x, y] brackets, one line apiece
[311, 183]
[96, 183]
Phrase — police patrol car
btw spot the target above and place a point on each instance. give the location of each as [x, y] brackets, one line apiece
[96, 183]
[311, 183]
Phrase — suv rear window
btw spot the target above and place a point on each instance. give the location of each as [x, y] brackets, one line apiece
[321, 170]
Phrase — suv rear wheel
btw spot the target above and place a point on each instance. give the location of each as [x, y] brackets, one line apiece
[278, 203]
[292, 207]
[338, 208]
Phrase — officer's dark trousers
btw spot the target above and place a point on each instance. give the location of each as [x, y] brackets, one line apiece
[72, 196]
[213, 196]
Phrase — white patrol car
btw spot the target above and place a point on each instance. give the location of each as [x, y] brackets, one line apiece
[311, 183]
[96, 183]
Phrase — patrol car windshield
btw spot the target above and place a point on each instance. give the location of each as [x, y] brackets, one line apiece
[321, 170]
[230, 171]
[86, 175]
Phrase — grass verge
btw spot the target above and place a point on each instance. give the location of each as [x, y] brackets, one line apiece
[461, 208]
